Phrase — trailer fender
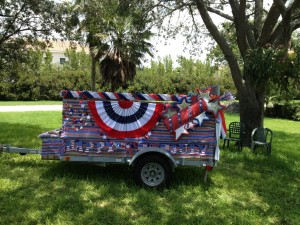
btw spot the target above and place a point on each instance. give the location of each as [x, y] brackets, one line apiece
[156, 151]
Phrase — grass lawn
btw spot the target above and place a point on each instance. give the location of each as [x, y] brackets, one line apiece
[11, 103]
[242, 189]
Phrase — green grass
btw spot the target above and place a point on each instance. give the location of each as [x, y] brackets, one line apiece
[242, 189]
[12, 103]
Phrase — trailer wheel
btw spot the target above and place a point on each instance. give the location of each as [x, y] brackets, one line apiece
[152, 171]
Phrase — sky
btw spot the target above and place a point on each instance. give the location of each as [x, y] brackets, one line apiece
[175, 47]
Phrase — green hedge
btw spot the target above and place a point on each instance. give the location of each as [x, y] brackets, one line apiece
[41, 80]
[46, 87]
[289, 111]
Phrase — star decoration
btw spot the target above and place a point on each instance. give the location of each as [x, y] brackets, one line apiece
[169, 111]
[198, 120]
[179, 131]
[189, 125]
[175, 107]
[214, 107]
[183, 103]
[205, 94]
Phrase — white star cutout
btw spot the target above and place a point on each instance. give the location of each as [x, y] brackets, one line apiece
[198, 120]
[179, 131]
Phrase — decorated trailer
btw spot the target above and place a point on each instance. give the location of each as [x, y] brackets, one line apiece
[154, 133]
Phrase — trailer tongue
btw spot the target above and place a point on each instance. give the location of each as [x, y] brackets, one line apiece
[22, 151]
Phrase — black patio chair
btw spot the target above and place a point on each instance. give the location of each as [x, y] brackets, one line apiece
[236, 133]
[262, 137]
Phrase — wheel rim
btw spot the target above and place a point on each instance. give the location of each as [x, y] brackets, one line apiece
[152, 174]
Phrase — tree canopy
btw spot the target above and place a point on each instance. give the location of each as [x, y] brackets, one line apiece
[262, 34]
[117, 33]
[255, 38]
[22, 22]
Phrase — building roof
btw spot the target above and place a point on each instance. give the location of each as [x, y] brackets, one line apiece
[61, 46]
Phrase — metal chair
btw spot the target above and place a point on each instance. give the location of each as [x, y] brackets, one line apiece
[262, 137]
[236, 133]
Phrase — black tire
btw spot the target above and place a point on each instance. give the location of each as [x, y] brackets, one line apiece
[152, 171]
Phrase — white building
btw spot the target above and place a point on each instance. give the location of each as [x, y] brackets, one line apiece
[58, 49]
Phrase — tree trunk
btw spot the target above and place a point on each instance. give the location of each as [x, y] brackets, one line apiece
[251, 111]
[93, 74]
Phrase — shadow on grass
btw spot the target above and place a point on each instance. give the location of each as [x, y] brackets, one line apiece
[274, 180]
[189, 176]
[85, 193]
[26, 135]
[21, 135]
[85, 171]
[243, 189]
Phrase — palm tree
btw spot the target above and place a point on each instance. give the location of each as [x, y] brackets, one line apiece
[117, 33]
[128, 43]
[127, 37]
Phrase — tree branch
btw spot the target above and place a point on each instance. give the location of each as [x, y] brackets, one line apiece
[194, 22]
[282, 33]
[239, 15]
[170, 12]
[281, 6]
[250, 36]
[228, 54]
[219, 13]
[269, 25]
[3, 38]
[258, 18]
[8, 16]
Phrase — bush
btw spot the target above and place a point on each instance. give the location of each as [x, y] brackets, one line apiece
[39, 79]
[289, 111]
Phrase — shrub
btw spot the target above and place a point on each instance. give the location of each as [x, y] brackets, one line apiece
[289, 111]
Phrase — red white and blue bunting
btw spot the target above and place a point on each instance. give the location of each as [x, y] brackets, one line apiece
[131, 115]
[125, 119]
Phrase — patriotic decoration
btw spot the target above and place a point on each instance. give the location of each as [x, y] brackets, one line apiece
[133, 115]
[221, 120]
[119, 125]
[179, 122]
[205, 94]
[125, 119]
[227, 96]
[193, 114]
[214, 107]
[198, 120]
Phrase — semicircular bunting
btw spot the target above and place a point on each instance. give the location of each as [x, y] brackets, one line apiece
[125, 119]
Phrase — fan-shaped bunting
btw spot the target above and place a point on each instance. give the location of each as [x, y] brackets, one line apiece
[125, 119]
